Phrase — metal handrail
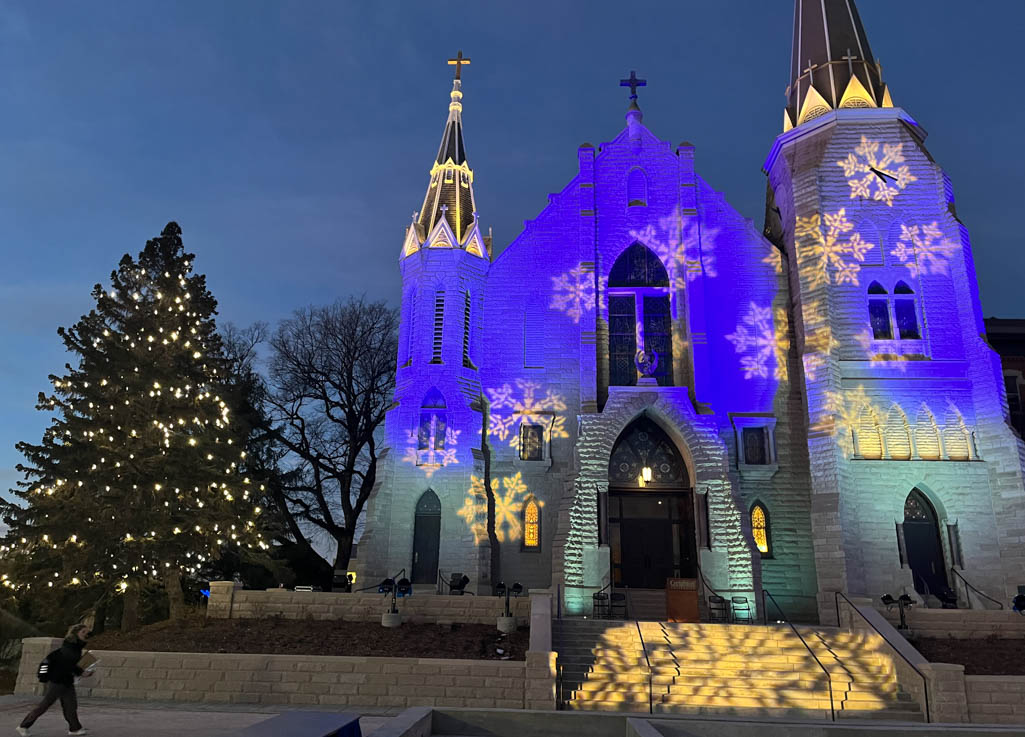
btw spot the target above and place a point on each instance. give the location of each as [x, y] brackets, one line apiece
[829, 678]
[707, 586]
[969, 585]
[837, 595]
[644, 649]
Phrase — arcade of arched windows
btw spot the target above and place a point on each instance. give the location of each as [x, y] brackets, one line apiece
[888, 434]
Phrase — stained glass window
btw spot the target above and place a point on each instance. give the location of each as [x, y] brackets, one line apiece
[917, 508]
[879, 315]
[622, 341]
[531, 524]
[760, 528]
[657, 336]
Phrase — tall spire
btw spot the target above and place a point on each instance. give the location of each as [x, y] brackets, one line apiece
[831, 65]
[450, 192]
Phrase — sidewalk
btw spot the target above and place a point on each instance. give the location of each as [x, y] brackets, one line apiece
[108, 718]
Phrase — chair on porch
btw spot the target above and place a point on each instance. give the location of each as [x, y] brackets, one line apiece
[741, 610]
[717, 609]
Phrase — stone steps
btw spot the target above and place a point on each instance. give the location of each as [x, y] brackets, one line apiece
[726, 669]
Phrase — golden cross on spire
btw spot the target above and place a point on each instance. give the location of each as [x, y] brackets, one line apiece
[458, 62]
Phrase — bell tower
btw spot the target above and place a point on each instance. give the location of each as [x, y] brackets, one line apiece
[888, 322]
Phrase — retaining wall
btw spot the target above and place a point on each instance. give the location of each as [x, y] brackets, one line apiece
[289, 679]
[230, 601]
[962, 623]
[996, 699]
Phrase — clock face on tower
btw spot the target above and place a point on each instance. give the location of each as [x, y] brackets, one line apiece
[876, 176]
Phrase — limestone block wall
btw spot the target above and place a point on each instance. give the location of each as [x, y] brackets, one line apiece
[962, 623]
[290, 679]
[228, 602]
[996, 699]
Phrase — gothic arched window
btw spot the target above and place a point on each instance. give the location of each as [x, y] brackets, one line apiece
[531, 524]
[639, 315]
[636, 188]
[879, 312]
[430, 436]
[760, 529]
[904, 311]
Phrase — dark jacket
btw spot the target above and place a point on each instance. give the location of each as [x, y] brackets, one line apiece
[64, 662]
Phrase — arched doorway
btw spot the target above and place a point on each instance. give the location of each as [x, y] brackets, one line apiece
[650, 509]
[922, 545]
[426, 538]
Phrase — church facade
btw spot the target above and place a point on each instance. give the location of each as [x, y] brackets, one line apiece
[645, 385]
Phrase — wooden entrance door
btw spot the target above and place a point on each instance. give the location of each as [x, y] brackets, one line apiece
[426, 538]
[923, 546]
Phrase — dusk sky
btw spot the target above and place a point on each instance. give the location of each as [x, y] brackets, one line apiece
[292, 140]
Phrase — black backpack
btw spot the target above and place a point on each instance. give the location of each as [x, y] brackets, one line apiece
[43, 671]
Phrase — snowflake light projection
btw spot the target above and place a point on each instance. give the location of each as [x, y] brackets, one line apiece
[684, 250]
[760, 338]
[511, 407]
[870, 175]
[573, 292]
[430, 459]
[840, 415]
[510, 495]
[819, 341]
[828, 251]
[924, 250]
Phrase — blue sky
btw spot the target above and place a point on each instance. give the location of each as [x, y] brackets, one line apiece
[291, 140]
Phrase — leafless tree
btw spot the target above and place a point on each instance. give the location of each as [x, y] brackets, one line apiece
[332, 374]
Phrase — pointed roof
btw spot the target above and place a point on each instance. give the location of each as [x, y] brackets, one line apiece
[452, 139]
[450, 191]
[831, 56]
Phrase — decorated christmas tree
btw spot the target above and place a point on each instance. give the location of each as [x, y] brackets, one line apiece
[140, 477]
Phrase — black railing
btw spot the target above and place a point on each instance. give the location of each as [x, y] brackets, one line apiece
[925, 683]
[560, 701]
[786, 620]
[644, 649]
[969, 586]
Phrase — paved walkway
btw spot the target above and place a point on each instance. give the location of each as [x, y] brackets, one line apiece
[107, 718]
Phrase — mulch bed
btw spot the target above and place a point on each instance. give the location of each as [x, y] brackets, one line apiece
[987, 657]
[277, 636]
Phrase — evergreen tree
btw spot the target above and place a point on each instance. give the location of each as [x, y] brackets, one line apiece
[140, 477]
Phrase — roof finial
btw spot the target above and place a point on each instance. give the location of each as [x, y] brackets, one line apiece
[633, 83]
[458, 63]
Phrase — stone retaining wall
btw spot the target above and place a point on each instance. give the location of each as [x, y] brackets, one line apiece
[996, 699]
[230, 601]
[962, 623]
[290, 679]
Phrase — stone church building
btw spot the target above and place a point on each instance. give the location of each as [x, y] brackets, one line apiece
[670, 391]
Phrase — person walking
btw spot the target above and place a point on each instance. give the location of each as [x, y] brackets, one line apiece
[63, 668]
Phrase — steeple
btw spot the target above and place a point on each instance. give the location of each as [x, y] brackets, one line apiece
[449, 202]
[831, 64]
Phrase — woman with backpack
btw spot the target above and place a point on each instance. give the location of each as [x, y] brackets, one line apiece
[58, 671]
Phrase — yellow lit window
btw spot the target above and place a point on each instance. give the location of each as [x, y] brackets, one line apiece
[531, 525]
[760, 528]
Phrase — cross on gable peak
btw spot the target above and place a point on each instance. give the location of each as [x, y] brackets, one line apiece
[633, 83]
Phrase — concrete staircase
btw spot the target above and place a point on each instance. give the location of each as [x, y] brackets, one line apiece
[744, 670]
